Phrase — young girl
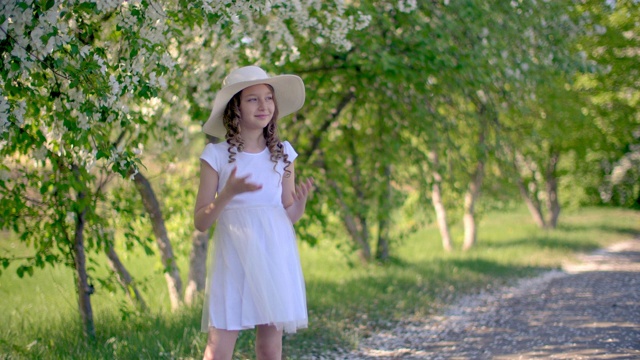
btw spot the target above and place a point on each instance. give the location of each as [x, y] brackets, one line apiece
[247, 185]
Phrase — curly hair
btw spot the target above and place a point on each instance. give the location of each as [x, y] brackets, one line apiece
[231, 121]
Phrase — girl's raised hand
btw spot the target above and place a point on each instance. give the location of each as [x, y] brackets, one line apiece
[303, 189]
[300, 195]
[238, 185]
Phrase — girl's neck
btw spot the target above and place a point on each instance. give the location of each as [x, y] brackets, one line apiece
[254, 142]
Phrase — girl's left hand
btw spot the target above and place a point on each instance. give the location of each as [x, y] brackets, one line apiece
[298, 200]
[303, 190]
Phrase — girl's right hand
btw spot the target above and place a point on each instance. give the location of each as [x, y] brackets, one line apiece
[238, 185]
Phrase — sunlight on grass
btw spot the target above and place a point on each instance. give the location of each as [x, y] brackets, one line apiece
[347, 300]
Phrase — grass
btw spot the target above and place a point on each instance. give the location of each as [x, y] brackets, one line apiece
[346, 303]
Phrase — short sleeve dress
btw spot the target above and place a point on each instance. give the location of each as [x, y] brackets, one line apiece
[254, 274]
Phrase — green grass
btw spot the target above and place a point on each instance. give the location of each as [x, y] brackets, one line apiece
[346, 302]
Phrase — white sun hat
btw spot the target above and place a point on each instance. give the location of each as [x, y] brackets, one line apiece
[289, 94]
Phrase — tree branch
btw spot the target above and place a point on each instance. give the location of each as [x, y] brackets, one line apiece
[34, 56]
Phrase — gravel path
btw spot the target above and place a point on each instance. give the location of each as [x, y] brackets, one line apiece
[589, 310]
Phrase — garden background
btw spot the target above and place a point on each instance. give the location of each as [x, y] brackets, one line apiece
[455, 145]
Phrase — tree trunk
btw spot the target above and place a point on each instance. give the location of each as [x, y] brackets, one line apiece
[533, 204]
[125, 280]
[197, 266]
[438, 206]
[360, 198]
[553, 206]
[531, 198]
[441, 216]
[359, 237]
[171, 271]
[364, 231]
[355, 221]
[469, 221]
[382, 248]
[84, 289]
[470, 230]
[352, 229]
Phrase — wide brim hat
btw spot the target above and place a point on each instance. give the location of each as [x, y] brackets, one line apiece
[289, 94]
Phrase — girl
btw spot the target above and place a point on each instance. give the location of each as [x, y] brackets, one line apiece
[247, 185]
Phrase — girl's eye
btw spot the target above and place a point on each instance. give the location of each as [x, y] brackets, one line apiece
[269, 98]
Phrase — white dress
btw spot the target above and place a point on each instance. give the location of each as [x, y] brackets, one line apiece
[254, 274]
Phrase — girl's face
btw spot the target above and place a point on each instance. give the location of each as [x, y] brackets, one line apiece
[257, 106]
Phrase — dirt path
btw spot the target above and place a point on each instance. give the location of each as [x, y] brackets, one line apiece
[590, 310]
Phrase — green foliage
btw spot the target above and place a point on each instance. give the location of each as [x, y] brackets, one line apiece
[465, 81]
[610, 85]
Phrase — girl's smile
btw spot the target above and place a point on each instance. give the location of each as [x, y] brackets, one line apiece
[256, 107]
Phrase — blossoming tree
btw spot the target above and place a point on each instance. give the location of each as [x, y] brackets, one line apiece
[84, 84]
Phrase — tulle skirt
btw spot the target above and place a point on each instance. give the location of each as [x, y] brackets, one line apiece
[254, 274]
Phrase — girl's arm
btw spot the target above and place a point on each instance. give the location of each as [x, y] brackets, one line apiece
[208, 205]
[294, 198]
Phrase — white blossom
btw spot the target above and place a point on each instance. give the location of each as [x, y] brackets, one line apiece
[599, 29]
[162, 82]
[167, 60]
[4, 114]
[51, 35]
[115, 85]
[103, 67]
[83, 121]
[84, 51]
[407, 6]
[138, 149]
[40, 154]
[4, 174]
[19, 111]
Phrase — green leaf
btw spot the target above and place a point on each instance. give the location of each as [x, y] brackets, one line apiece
[21, 270]
[145, 92]
[51, 259]
[86, 7]
[39, 261]
[101, 154]
[147, 249]
[48, 5]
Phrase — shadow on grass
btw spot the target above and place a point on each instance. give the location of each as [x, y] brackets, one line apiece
[549, 241]
[493, 269]
[605, 228]
[577, 240]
